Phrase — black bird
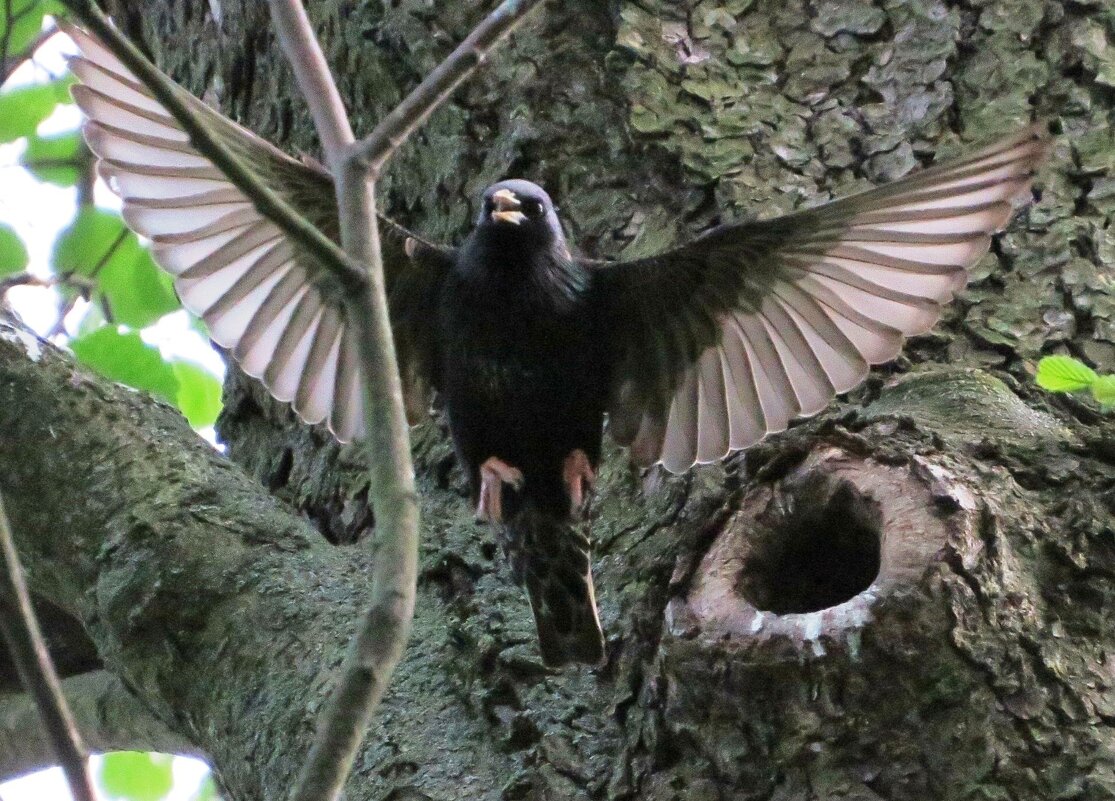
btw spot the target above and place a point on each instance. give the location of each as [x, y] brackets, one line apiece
[691, 354]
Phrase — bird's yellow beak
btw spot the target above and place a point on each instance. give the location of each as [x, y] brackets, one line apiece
[507, 207]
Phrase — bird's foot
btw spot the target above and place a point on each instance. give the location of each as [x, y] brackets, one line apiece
[579, 477]
[494, 473]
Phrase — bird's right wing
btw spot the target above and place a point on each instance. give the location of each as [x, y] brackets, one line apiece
[262, 297]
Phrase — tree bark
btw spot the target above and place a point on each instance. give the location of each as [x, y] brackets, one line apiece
[904, 598]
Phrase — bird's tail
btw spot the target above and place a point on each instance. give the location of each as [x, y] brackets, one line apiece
[550, 556]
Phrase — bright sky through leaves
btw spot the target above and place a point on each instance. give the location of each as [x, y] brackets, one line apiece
[39, 232]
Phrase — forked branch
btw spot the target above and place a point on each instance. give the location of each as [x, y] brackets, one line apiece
[378, 644]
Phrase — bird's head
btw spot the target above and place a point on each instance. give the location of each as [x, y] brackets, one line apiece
[520, 210]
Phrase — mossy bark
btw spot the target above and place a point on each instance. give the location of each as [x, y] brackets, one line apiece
[978, 665]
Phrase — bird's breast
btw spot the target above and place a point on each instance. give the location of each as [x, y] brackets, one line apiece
[500, 349]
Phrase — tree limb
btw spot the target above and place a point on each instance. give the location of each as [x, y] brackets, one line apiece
[197, 588]
[10, 63]
[108, 716]
[28, 650]
[382, 634]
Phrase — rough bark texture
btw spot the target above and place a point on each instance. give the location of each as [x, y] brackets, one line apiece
[976, 662]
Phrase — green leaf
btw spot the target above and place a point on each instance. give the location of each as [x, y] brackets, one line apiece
[199, 394]
[13, 253]
[23, 108]
[56, 159]
[1103, 390]
[27, 21]
[81, 247]
[127, 359]
[98, 245]
[1064, 374]
[136, 776]
[138, 292]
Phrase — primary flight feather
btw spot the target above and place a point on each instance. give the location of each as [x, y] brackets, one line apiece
[692, 354]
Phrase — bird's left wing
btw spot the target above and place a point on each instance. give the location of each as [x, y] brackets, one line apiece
[262, 297]
[728, 338]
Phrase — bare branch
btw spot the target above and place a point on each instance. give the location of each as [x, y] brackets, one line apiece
[267, 202]
[382, 634]
[378, 644]
[381, 637]
[24, 279]
[376, 148]
[314, 79]
[25, 642]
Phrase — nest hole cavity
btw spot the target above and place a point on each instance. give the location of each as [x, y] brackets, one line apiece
[818, 545]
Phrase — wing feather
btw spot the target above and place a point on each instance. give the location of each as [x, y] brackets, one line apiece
[746, 422]
[838, 356]
[810, 381]
[795, 310]
[679, 447]
[283, 377]
[346, 391]
[776, 390]
[291, 339]
[713, 422]
[313, 398]
[271, 307]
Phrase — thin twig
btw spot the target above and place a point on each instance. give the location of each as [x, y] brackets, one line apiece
[10, 20]
[24, 279]
[9, 64]
[36, 672]
[379, 641]
[81, 283]
[84, 286]
[376, 148]
[296, 36]
[46, 164]
[332, 258]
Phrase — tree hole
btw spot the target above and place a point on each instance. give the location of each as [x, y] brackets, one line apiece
[819, 545]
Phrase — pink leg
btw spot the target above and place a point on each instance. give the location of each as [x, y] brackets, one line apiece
[494, 473]
[579, 477]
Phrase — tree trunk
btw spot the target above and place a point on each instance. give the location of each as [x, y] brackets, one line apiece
[904, 598]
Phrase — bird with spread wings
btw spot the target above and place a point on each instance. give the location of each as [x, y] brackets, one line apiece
[690, 354]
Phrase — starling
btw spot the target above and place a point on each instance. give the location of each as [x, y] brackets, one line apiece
[690, 355]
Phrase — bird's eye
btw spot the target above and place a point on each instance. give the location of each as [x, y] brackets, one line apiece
[532, 208]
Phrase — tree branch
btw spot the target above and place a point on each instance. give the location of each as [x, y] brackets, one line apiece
[379, 642]
[28, 651]
[373, 151]
[108, 716]
[383, 631]
[296, 36]
[267, 202]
